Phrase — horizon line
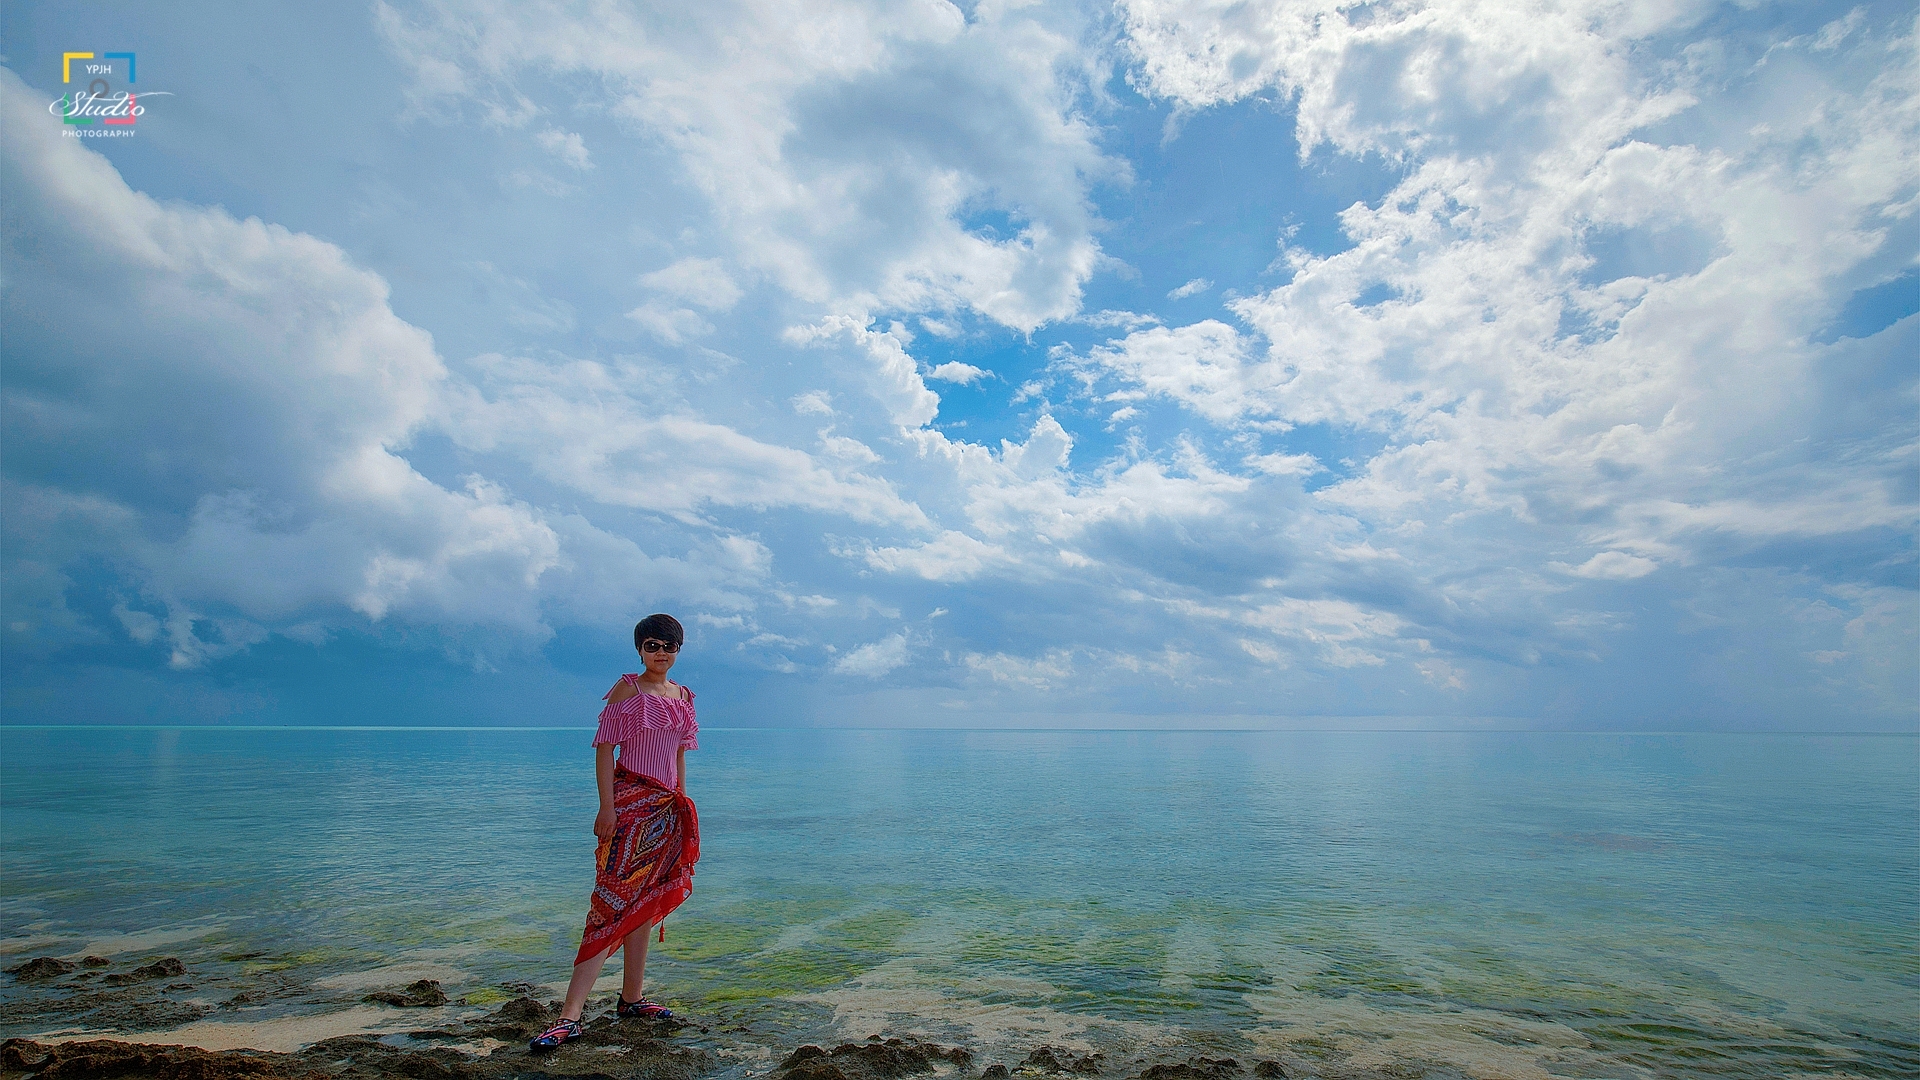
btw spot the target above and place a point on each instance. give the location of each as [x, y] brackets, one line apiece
[844, 727]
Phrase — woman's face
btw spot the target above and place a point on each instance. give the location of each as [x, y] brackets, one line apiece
[658, 660]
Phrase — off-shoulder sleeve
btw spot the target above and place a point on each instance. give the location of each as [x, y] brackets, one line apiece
[690, 738]
[616, 723]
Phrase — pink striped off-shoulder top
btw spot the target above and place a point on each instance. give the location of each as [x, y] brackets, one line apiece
[650, 731]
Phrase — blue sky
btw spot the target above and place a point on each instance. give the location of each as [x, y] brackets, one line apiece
[1191, 364]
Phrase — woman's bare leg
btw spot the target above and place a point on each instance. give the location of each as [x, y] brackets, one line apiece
[584, 973]
[636, 963]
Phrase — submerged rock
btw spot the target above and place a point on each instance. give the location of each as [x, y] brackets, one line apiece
[422, 994]
[159, 969]
[40, 967]
[94, 961]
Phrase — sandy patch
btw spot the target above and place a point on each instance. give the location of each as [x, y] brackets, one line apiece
[41, 945]
[146, 941]
[894, 997]
[392, 975]
[285, 1034]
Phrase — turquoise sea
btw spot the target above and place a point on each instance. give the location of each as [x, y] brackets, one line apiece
[1439, 904]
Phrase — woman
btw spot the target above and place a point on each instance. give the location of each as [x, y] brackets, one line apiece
[649, 835]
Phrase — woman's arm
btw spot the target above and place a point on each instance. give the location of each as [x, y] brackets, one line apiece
[604, 822]
[680, 769]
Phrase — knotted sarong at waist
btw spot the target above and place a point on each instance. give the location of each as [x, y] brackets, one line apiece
[645, 869]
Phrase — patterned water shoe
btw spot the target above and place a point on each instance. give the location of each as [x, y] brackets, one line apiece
[554, 1036]
[652, 1010]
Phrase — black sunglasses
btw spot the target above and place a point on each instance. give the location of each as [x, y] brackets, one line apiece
[651, 645]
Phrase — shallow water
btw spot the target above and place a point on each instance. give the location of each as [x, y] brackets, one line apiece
[1481, 904]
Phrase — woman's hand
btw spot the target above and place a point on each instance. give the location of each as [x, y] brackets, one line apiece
[604, 822]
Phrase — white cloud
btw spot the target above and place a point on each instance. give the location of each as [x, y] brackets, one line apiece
[1285, 464]
[813, 403]
[234, 428]
[1039, 673]
[875, 659]
[895, 381]
[1611, 566]
[952, 556]
[1191, 288]
[1591, 308]
[844, 146]
[703, 283]
[670, 324]
[954, 371]
[1601, 297]
[598, 429]
[1203, 366]
[568, 146]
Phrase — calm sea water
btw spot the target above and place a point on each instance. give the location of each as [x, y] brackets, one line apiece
[1472, 904]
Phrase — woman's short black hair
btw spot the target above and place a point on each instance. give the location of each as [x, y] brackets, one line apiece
[659, 628]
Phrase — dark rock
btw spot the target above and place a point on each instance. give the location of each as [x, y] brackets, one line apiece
[1054, 1059]
[518, 1019]
[366, 1055]
[422, 994]
[159, 969]
[802, 1054]
[1194, 1069]
[1269, 1070]
[94, 961]
[521, 1010]
[995, 1072]
[99, 1059]
[820, 1068]
[875, 1059]
[40, 967]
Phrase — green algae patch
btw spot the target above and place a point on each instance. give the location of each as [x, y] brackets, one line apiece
[715, 939]
[292, 961]
[528, 943]
[878, 929]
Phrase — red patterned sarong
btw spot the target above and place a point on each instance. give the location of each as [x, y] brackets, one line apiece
[645, 869]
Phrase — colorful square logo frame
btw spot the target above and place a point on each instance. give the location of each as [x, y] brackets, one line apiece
[84, 110]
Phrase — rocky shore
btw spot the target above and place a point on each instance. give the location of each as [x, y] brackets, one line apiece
[493, 1045]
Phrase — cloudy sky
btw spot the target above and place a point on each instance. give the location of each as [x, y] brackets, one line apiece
[1155, 363]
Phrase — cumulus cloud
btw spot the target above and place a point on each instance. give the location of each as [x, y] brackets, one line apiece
[1611, 565]
[229, 427]
[1587, 311]
[568, 146]
[954, 371]
[703, 283]
[848, 146]
[598, 429]
[1574, 387]
[875, 659]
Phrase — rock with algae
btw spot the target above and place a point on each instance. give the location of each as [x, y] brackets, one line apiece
[422, 994]
[167, 968]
